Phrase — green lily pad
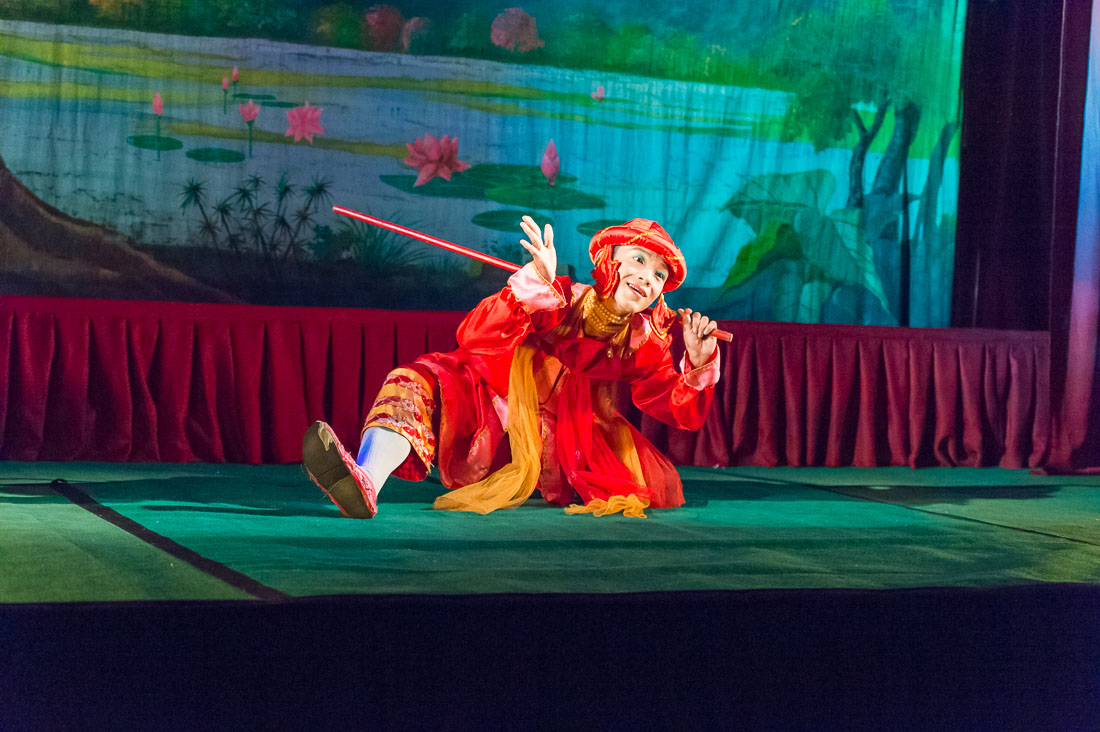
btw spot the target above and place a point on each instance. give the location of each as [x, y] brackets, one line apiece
[499, 175]
[456, 187]
[154, 142]
[215, 155]
[271, 103]
[589, 228]
[257, 97]
[508, 219]
[554, 198]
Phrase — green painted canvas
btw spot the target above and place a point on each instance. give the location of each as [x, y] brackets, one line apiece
[799, 151]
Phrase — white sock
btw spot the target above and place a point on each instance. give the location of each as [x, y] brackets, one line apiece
[380, 453]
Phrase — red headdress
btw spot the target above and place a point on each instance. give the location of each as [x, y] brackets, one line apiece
[642, 233]
[636, 232]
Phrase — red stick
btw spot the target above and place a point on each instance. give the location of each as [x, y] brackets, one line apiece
[427, 238]
[452, 247]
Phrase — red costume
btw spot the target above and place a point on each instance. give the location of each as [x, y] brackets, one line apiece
[552, 351]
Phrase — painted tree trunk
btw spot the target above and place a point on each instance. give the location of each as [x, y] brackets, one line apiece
[882, 205]
[931, 239]
[859, 153]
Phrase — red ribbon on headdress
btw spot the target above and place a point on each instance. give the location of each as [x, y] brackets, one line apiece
[662, 316]
[606, 274]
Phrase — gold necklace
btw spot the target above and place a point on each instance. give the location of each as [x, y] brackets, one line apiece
[599, 320]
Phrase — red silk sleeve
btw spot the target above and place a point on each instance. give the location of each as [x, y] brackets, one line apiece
[661, 392]
[492, 330]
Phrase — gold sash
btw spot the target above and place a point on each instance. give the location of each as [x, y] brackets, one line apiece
[515, 482]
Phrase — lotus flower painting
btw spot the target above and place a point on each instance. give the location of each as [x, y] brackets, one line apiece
[551, 165]
[434, 158]
[158, 110]
[305, 121]
[249, 112]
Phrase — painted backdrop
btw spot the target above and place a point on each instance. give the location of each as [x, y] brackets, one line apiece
[803, 153]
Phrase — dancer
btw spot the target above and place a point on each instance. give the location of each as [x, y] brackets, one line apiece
[538, 363]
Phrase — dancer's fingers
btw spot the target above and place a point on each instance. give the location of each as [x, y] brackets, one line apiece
[531, 229]
[703, 326]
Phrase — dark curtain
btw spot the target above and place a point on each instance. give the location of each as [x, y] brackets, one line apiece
[1077, 427]
[1024, 83]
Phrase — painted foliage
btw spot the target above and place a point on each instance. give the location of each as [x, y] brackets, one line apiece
[803, 154]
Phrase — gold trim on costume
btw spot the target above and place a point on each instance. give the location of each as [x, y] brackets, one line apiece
[405, 405]
[618, 338]
[600, 321]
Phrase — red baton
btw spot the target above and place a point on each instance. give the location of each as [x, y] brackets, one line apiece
[452, 247]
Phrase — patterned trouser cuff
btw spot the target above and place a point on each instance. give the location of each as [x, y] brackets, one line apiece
[405, 404]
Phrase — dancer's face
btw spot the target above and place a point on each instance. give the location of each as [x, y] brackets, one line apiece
[642, 276]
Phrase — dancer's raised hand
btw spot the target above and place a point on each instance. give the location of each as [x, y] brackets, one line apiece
[541, 246]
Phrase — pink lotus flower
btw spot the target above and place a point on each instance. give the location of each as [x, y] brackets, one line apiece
[412, 28]
[551, 165]
[382, 26]
[250, 112]
[158, 108]
[598, 94]
[515, 30]
[225, 83]
[236, 74]
[432, 157]
[305, 121]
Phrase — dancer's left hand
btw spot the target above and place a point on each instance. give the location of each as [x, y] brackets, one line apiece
[698, 336]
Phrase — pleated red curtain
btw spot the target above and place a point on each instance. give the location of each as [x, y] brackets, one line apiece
[866, 396]
[125, 381]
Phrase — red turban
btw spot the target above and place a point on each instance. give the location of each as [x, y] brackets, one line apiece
[636, 232]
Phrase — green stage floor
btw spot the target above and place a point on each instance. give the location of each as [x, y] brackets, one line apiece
[222, 532]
